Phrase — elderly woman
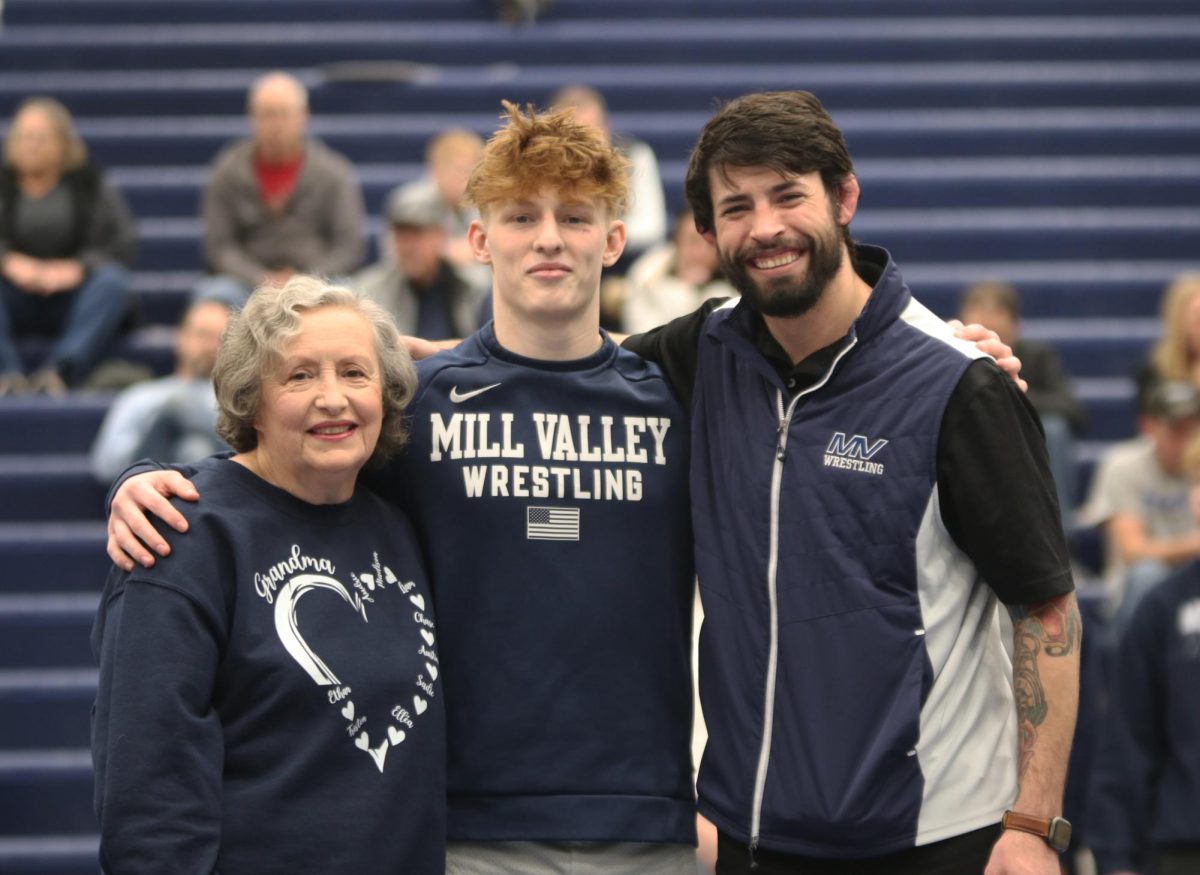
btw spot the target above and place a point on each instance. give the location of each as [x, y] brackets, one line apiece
[65, 239]
[269, 696]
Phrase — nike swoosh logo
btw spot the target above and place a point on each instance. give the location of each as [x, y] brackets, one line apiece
[459, 397]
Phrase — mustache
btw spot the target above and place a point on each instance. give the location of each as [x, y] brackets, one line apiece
[800, 244]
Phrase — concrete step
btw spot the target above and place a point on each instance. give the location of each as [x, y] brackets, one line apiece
[44, 790]
[666, 41]
[47, 630]
[49, 855]
[53, 557]
[46, 708]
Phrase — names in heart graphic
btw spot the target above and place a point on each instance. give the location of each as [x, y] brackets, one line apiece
[288, 629]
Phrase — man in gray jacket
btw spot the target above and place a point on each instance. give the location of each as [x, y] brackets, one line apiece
[279, 202]
[426, 293]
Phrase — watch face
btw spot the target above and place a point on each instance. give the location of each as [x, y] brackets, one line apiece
[1060, 834]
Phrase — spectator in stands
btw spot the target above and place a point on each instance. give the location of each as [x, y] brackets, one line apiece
[280, 202]
[1146, 786]
[1140, 497]
[66, 239]
[449, 159]
[1176, 355]
[672, 279]
[998, 306]
[173, 417]
[646, 219]
[237, 728]
[423, 290]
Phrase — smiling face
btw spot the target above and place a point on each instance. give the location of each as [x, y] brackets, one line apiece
[779, 236]
[547, 251]
[321, 408]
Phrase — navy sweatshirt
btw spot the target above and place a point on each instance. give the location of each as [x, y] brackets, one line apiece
[1146, 784]
[270, 696]
[551, 500]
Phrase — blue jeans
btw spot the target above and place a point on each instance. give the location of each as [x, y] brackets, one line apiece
[85, 321]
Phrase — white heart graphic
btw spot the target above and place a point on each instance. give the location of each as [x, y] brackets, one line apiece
[362, 742]
[348, 711]
[420, 704]
[395, 736]
[378, 755]
[288, 628]
[388, 575]
[432, 669]
[368, 579]
[418, 600]
[428, 636]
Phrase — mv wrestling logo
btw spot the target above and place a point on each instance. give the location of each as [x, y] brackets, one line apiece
[854, 453]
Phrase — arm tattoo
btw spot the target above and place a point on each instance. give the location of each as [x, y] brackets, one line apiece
[1053, 628]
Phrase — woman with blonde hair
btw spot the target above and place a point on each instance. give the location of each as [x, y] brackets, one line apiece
[66, 239]
[1176, 355]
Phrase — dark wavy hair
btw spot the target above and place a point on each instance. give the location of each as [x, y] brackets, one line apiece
[788, 131]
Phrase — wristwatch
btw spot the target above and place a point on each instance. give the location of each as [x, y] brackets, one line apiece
[1055, 830]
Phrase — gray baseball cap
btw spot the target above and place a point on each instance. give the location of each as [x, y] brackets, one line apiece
[415, 208]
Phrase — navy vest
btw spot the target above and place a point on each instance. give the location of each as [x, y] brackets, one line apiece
[806, 531]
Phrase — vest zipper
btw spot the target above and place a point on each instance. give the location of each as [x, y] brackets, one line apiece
[764, 753]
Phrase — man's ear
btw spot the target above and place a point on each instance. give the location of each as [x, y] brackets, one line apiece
[614, 242]
[847, 198]
[477, 238]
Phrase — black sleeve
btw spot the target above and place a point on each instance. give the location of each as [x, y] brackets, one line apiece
[995, 488]
[673, 347]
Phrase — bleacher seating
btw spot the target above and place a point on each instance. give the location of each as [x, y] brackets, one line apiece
[1051, 143]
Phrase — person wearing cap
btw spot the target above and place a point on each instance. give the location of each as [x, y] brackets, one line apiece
[1140, 498]
[1146, 788]
[425, 292]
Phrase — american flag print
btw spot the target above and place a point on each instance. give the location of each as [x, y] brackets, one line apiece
[552, 523]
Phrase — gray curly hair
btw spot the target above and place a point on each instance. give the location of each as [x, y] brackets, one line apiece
[255, 340]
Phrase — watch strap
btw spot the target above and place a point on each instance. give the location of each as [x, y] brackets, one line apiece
[1056, 831]
[1039, 826]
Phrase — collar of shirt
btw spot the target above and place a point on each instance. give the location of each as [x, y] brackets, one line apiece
[803, 374]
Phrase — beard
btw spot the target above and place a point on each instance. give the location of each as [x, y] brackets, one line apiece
[787, 296]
